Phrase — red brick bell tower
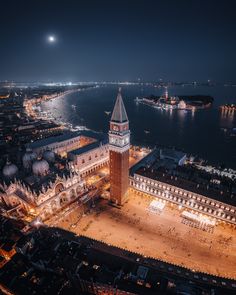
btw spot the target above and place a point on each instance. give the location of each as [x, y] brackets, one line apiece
[119, 143]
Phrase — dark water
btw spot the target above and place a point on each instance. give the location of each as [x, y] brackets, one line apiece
[199, 133]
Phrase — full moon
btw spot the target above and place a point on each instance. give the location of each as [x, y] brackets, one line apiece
[51, 39]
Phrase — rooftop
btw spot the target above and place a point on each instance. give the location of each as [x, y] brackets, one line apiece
[172, 153]
[89, 147]
[186, 177]
[52, 272]
[119, 114]
[65, 136]
[199, 187]
[49, 140]
[37, 183]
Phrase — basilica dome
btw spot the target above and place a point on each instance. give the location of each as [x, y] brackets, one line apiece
[9, 170]
[49, 156]
[28, 158]
[40, 167]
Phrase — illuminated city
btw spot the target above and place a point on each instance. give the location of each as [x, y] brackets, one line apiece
[115, 183]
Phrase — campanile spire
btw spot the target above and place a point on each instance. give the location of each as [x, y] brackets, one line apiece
[119, 143]
[119, 113]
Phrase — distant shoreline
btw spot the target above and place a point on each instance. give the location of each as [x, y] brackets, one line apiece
[56, 121]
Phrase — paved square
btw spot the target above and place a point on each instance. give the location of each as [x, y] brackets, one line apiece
[161, 235]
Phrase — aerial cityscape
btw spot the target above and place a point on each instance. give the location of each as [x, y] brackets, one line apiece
[118, 147]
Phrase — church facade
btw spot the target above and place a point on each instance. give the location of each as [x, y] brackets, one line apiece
[40, 187]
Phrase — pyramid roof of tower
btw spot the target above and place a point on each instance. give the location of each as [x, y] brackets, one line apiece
[119, 113]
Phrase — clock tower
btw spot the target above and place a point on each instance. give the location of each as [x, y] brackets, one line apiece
[119, 143]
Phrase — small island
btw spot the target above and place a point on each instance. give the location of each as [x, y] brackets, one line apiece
[228, 107]
[180, 102]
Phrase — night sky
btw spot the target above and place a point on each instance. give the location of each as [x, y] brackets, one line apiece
[117, 40]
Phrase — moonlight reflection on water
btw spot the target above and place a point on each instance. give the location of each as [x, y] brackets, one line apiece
[204, 132]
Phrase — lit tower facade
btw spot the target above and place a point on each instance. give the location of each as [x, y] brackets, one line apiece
[166, 93]
[119, 143]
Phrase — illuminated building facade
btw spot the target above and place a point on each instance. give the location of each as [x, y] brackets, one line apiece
[40, 187]
[119, 143]
[147, 178]
[90, 157]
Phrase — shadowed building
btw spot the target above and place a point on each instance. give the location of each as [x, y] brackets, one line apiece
[119, 143]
